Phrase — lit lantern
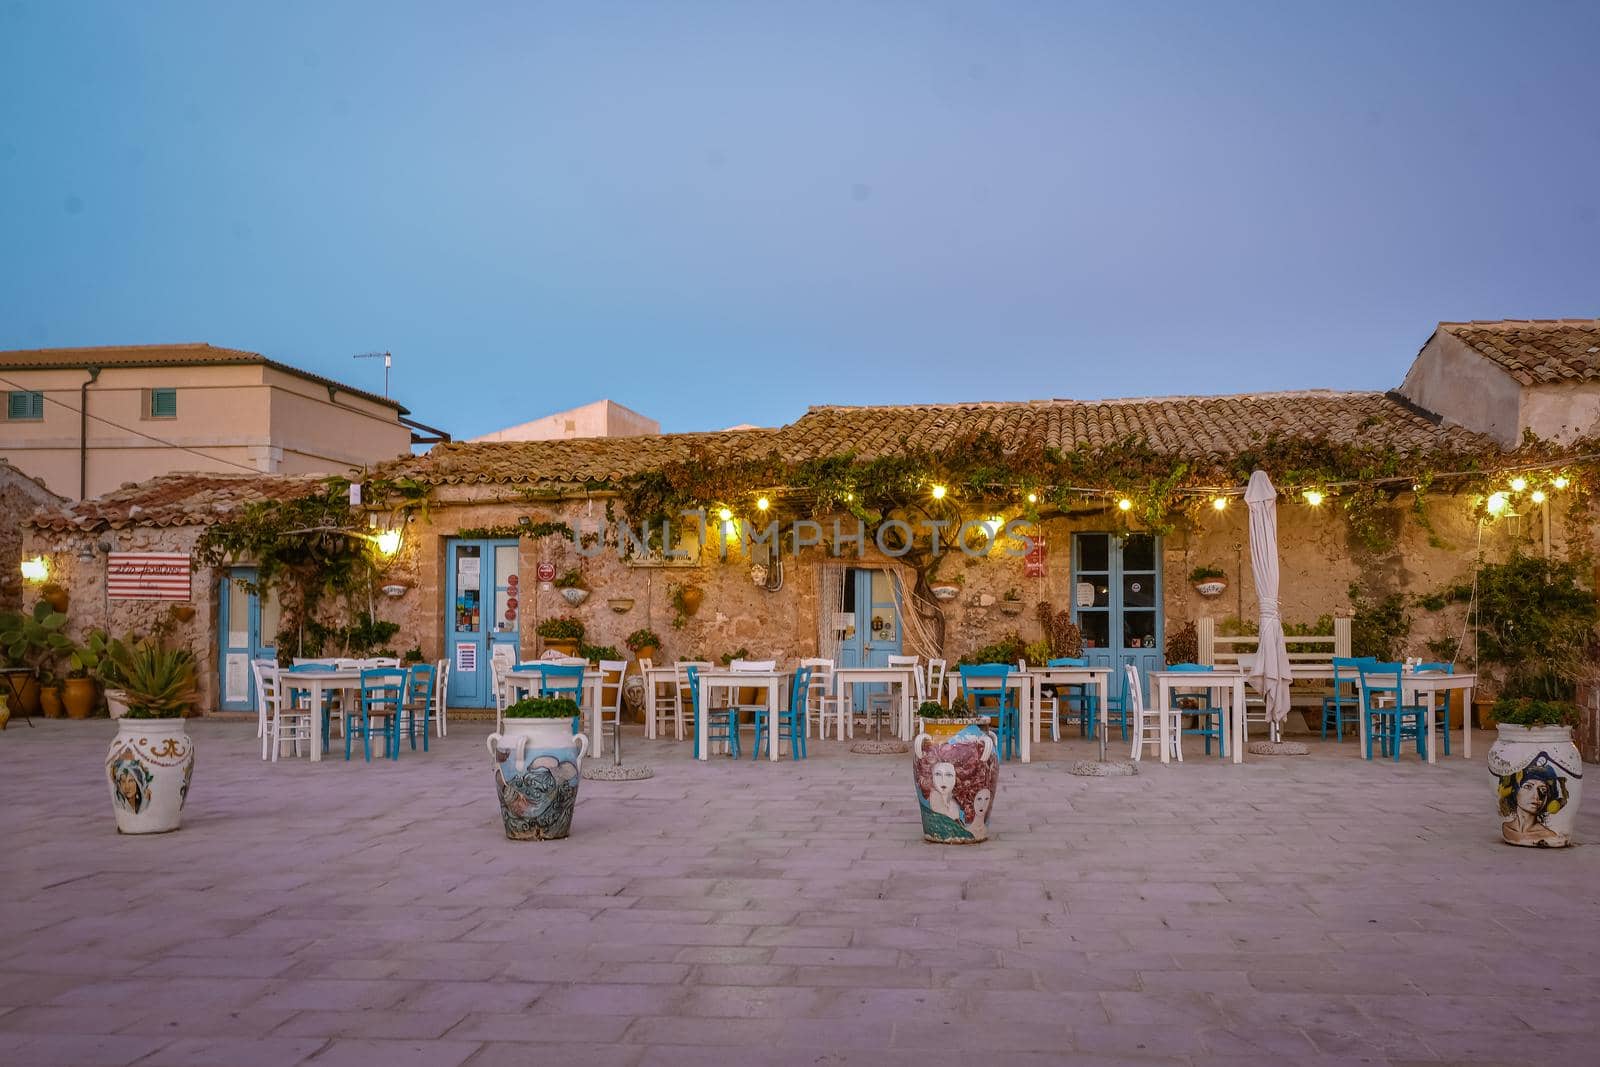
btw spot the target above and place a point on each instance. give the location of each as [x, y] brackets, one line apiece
[1518, 484]
[36, 569]
[388, 542]
[1560, 481]
[1220, 503]
[1033, 498]
[938, 492]
[1537, 496]
[762, 504]
[1124, 504]
[1314, 498]
[724, 514]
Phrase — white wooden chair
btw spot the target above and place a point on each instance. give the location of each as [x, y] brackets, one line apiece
[819, 695]
[934, 679]
[611, 671]
[1049, 708]
[1255, 704]
[258, 667]
[441, 695]
[287, 722]
[1146, 720]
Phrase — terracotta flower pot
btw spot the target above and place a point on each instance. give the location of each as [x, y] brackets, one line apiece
[1538, 784]
[692, 598]
[50, 701]
[79, 696]
[648, 652]
[957, 773]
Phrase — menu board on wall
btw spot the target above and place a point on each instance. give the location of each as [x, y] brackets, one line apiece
[148, 576]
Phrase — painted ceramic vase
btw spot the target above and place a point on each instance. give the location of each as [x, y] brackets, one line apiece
[957, 772]
[148, 770]
[1538, 784]
[536, 774]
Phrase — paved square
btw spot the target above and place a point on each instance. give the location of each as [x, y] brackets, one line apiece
[1291, 910]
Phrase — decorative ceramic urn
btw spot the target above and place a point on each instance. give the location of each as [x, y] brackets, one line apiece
[148, 769]
[957, 772]
[536, 774]
[1538, 784]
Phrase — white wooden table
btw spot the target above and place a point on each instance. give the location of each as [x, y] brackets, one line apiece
[903, 677]
[529, 682]
[1233, 682]
[1027, 688]
[316, 684]
[1098, 677]
[713, 678]
[1413, 686]
[654, 678]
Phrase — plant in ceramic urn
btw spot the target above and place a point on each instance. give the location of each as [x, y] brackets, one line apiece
[538, 760]
[562, 634]
[644, 643]
[957, 773]
[1538, 771]
[1209, 580]
[83, 668]
[151, 760]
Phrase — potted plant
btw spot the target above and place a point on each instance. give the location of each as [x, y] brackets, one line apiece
[956, 771]
[595, 653]
[1537, 770]
[152, 757]
[561, 634]
[644, 643]
[1209, 580]
[686, 601]
[571, 585]
[81, 691]
[50, 694]
[1011, 603]
[538, 760]
[413, 655]
[29, 641]
[55, 595]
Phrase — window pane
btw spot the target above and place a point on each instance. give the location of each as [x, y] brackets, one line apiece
[1139, 591]
[1139, 553]
[1096, 626]
[468, 586]
[506, 601]
[882, 588]
[163, 403]
[24, 406]
[238, 616]
[1093, 552]
[1139, 629]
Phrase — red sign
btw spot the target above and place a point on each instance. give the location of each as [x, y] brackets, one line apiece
[511, 602]
[547, 571]
[1033, 562]
[147, 576]
[511, 580]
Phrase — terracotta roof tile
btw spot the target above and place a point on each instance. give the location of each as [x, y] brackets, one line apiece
[573, 460]
[178, 355]
[175, 500]
[1536, 351]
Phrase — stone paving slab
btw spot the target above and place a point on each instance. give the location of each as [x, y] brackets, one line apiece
[1316, 910]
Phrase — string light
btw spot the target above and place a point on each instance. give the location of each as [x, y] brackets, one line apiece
[762, 504]
[1518, 484]
[1220, 503]
[724, 514]
[1560, 481]
[1537, 496]
[1314, 498]
[1496, 503]
[938, 492]
[1033, 498]
[1125, 504]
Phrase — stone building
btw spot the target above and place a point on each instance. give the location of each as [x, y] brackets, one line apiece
[473, 571]
[20, 496]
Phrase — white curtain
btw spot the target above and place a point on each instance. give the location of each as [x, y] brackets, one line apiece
[1270, 674]
[830, 601]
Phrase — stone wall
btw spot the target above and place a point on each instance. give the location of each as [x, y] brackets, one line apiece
[20, 496]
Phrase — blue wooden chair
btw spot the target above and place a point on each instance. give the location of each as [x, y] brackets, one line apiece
[1209, 717]
[419, 698]
[1345, 672]
[723, 726]
[1388, 716]
[299, 697]
[1441, 718]
[1075, 698]
[565, 680]
[383, 692]
[791, 722]
[985, 682]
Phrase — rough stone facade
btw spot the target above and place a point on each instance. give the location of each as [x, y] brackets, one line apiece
[20, 496]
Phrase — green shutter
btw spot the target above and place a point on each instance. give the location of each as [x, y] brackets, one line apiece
[163, 403]
[25, 406]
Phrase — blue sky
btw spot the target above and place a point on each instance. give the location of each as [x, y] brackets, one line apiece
[721, 213]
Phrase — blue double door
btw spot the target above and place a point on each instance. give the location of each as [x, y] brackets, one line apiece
[483, 610]
[1116, 598]
[872, 609]
[247, 629]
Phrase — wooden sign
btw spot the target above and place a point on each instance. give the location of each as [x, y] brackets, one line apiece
[148, 576]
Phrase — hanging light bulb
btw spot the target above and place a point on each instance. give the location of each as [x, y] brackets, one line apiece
[1125, 504]
[1495, 504]
[1560, 481]
[938, 492]
[1537, 496]
[1220, 503]
[1033, 498]
[388, 542]
[1518, 484]
[762, 504]
[1314, 497]
[724, 514]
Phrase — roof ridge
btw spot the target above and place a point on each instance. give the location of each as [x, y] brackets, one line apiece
[1076, 402]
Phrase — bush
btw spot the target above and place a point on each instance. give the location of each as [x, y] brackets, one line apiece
[1380, 627]
[542, 708]
[643, 637]
[1527, 711]
[564, 628]
[1183, 644]
[1206, 573]
[596, 653]
[1008, 649]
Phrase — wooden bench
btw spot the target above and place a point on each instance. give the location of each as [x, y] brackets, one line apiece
[1310, 654]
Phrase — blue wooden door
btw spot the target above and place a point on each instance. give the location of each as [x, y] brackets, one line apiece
[247, 629]
[1116, 598]
[483, 605]
[869, 596]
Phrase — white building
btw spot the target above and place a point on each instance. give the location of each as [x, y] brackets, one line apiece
[603, 418]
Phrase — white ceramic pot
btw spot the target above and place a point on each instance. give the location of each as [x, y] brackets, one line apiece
[574, 596]
[537, 766]
[1211, 587]
[148, 771]
[944, 592]
[1538, 784]
[116, 703]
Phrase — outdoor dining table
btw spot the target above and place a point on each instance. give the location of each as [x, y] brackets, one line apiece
[1232, 681]
[711, 678]
[315, 684]
[1099, 677]
[654, 678]
[903, 677]
[1027, 687]
[1414, 684]
[529, 681]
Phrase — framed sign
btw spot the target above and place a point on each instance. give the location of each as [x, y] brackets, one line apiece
[148, 576]
[1033, 562]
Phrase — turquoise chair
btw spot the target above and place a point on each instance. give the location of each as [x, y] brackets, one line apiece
[1395, 721]
[1442, 715]
[1333, 707]
[987, 682]
[1208, 714]
[564, 680]
[793, 719]
[419, 697]
[383, 692]
[297, 695]
[723, 727]
[1078, 698]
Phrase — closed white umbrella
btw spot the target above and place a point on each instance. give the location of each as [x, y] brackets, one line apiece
[1270, 672]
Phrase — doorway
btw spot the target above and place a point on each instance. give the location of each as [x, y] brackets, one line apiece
[247, 629]
[1116, 601]
[483, 603]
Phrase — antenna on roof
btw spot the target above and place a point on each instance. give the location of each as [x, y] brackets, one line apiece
[388, 361]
